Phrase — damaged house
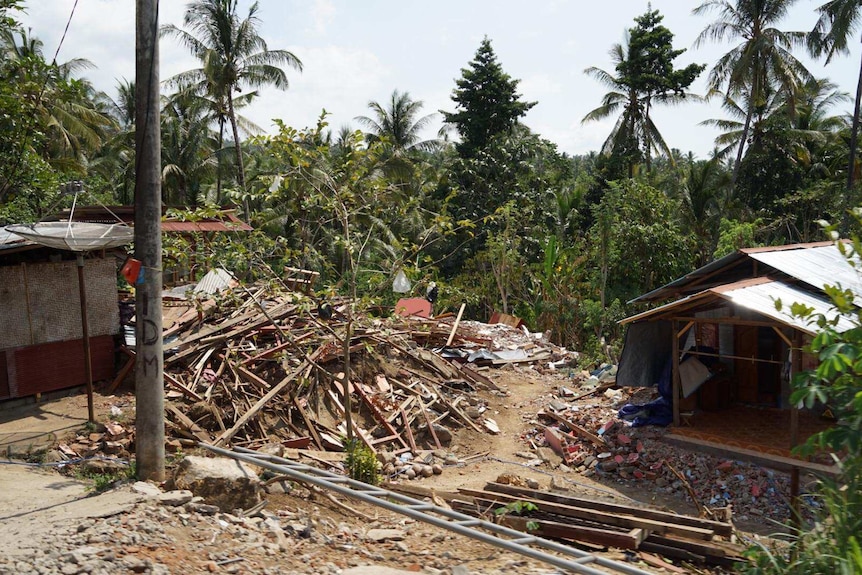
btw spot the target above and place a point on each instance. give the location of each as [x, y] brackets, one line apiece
[723, 354]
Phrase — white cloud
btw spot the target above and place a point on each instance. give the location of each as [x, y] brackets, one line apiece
[341, 80]
[322, 14]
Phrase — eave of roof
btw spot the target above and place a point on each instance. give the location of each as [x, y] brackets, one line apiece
[759, 295]
[727, 262]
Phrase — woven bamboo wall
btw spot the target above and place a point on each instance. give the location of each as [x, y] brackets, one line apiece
[39, 303]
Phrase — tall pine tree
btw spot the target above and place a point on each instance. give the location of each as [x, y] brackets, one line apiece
[487, 102]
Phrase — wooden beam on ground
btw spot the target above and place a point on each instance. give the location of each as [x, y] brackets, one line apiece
[769, 460]
[720, 528]
[175, 383]
[130, 363]
[580, 431]
[555, 530]
[614, 519]
[308, 423]
[187, 423]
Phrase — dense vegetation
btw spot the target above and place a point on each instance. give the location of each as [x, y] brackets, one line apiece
[490, 210]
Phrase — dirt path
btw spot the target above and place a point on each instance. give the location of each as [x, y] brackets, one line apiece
[34, 501]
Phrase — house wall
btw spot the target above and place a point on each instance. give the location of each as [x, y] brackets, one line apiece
[39, 302]
[41, 346]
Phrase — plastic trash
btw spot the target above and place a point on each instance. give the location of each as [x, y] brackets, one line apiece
[401, 284]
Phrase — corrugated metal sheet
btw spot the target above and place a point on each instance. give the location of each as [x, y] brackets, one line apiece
[815, 266]
[758, 295]
[786, 253]
[761, 298]
[215, 281]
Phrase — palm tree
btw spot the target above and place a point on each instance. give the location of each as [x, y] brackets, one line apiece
[233, 55]
[398, 128]
[398, 123]
[763, 59]
[633, 125]
[839, 20]
[64, 107]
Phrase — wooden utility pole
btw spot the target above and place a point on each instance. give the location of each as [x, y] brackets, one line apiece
[149, 374]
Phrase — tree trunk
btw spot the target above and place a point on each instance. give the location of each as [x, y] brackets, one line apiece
[647, 146]
[239, 164]
[742, 140]
[218, 159]
[851, 161]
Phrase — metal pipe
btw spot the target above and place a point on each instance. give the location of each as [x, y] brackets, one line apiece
[375, 496]
[85, 331]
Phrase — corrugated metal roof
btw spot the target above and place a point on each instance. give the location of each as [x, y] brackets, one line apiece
[758, 295]
[761, 298]
[783, 253]
[214, 281]
[816, 266]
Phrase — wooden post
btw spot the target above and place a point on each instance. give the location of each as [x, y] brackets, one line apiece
[85, 334]
[795, 367]
[149, 372]
[675, 373]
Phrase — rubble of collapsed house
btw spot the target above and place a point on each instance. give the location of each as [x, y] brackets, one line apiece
[256, 366]
[260, 367]
[581, 425]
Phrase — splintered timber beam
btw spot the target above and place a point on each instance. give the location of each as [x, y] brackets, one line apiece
[260, 404]
[617, 520]
[719, 528]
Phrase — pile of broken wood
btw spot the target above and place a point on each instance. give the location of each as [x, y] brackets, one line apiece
[264, 366]
[589, 522]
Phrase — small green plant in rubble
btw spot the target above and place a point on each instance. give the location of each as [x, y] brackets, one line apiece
[362, 464]
[518, 508]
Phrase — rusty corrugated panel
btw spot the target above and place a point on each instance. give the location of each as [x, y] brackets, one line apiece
[59, 365]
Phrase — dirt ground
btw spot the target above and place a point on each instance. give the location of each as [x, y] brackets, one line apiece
[425, 547]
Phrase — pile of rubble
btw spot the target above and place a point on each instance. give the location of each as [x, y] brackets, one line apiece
[588, 438]
[258, 365]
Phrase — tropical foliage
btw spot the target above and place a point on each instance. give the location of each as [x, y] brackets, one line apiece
[488, 208]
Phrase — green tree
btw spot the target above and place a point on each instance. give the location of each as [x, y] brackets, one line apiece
[639, 243]
[487, 102]
[831, 542]
[233, 55]
[399, 123]
[398, 127]
[649, 69]
[761, 61]
[644, 76]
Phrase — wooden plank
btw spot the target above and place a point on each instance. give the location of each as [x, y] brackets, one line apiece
[410, 439]
[764, 459]
[617, 520]
[309, 425]
[557, 530]
[240, 423]
[381, 419]
[720, 528]
[175, 383]
[130, 363]
[591, 437]
[455, 326]
[187, 423]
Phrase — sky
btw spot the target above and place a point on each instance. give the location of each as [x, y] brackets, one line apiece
[358, 51]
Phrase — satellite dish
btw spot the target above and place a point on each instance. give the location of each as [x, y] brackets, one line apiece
[75, 236]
